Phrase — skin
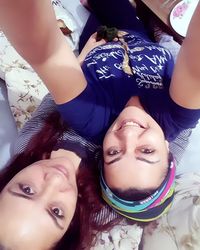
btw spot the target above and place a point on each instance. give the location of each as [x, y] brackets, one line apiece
[38, 204]
[91, 44]
[46, 50]
[131, 143]
[135, 156]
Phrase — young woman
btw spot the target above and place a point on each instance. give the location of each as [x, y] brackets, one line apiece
[129, 71]
[43, 206]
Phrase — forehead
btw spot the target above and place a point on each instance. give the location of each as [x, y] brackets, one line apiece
[31, 169]
[131, 173]
[22, 223]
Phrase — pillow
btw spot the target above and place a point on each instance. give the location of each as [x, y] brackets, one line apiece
[64, 17]
[8, 131]
[9, 58]
[121, 237]
[25, 92]
[180, 228]
[80, 13]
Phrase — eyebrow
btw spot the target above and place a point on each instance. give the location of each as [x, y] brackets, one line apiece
[31, 198]
[114, 160]
[148, 161]
[138, 158]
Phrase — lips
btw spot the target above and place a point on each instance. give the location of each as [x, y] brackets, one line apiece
[62, 170]
[131, 123]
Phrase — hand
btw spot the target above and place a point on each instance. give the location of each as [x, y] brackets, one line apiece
[91, 44]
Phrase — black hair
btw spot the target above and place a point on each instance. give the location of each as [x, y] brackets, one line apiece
[139, 194]
[133, 193]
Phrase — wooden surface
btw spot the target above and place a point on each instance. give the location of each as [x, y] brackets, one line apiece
[161, 8]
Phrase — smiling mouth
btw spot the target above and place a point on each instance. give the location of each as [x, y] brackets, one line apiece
[131, 123]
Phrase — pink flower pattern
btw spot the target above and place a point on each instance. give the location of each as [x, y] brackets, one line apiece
[180, 10]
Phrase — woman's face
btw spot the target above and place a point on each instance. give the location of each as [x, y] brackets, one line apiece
[135, 151]
[38, 204]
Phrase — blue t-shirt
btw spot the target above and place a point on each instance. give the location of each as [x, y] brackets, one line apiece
[109, 88]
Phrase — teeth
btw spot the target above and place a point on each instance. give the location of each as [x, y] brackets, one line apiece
[131, 124]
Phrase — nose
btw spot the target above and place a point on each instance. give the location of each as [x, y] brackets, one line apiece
[129, 136]
[56, 181]
[130, 132]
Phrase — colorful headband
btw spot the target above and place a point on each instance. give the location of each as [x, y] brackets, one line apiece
[145, 210]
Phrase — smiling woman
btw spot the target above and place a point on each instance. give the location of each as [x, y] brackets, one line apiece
[123, 96]
[48, 197]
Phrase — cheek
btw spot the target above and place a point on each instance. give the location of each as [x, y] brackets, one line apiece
[71, 205]
[32, 172]
[160, 142]
[106, 139]
[48, 238]
[155, 136]
[110, 177]
[158, 131]
[110, 140]
[72, 201]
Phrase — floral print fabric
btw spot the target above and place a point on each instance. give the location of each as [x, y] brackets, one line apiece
[25, 88]
[177, 230]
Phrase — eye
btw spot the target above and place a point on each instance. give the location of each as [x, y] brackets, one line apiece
[57, 212]
[26, 189]
[147, 150]
[113, 151]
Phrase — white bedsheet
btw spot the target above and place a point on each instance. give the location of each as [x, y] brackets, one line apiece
[77, 10]
[191, 158]
[8, 130]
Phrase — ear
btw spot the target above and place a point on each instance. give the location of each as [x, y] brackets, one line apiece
[167, 145]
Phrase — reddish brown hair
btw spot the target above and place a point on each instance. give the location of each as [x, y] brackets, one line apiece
[80, 234]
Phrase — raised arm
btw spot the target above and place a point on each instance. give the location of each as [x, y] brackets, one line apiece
[31, 27]
[185, 85]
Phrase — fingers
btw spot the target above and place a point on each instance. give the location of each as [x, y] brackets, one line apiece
[101, 42]
[94, 35]
[93, 38]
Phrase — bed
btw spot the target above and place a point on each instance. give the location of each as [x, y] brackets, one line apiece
[21, 92]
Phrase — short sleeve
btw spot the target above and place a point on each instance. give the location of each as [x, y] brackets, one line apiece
[169, 67]
[89, 113]
[170, 116]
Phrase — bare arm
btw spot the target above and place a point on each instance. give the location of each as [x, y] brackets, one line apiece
[31, 27]
[185, 85]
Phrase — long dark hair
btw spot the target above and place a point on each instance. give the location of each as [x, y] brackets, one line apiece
[87, 180]
[80, 234]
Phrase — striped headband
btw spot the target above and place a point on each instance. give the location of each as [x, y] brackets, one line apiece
[148, 209]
